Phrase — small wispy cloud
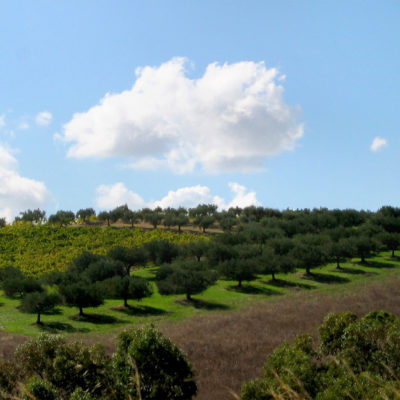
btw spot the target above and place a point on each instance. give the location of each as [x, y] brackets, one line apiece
[378, 143]
[23, 126]
[2, 121]
[44, 118]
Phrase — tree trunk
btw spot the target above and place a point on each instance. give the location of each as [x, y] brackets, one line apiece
[308, 272]
[125, 301]
[338, 263]
[240, 283]
[393, 253]
[273, 276]
[80, 311]
[179, 228]
[188, 296]
[38, 319]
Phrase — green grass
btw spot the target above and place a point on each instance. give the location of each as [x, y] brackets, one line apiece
[223, 296]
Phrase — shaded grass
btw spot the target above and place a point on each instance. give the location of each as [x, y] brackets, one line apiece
[250, 289]
[288, 284]
[349, 270]
[202, 304]
[140, 310]
[325, 278]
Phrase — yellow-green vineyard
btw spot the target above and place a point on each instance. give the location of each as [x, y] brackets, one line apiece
[41, 249]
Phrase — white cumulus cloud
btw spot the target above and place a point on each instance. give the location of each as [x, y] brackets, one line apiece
[378, 143]
[111, 196]
[18, 193]
[44, 118]
[230, 119]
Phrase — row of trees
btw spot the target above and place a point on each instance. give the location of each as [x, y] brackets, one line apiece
[190, 268]
[292, 222]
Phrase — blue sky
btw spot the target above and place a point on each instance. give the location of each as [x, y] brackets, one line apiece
[284, 104]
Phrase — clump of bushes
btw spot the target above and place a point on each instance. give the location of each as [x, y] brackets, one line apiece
[357, 359]
[147, 365]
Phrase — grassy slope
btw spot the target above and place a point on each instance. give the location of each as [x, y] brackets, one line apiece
[222, 296]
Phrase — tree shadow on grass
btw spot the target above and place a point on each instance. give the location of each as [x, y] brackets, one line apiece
[57, 327]
[288, 284]
[98, 319]
[378, 264]
[136, 311]
[249, 289]
[325, 278]
[352, 271]
[202, 304]
[54, 311]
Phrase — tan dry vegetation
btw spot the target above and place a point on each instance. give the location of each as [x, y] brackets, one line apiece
[228, 349]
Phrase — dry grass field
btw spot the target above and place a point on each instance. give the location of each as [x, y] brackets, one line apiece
[228, 349]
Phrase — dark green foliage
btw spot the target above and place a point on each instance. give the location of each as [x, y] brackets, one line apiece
[341, 250]
[63, 367]
[186, 276]
[366, 363]
[3, 222]
[310, 251]
[104, 216]
[103, 269]
[148, 363]
[118, 213]
[272, 263]
[129, 287]
[331, 332]
[40, 302]
[62, 218]
[130, 217]
[161, 251]
[129, 257]
[203, 215]
[153, 217]
[10, 374]
[243, 265]
[227, 220]
[176, 217]
[365, 246]
[40, 389]
[197, 249]
[85, 213]
[81, 294]
[34, 216]
[391, 241]
[20, 285]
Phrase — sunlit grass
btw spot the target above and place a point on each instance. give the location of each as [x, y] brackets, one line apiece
[224, 296]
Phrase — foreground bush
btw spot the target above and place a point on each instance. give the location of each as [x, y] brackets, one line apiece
[357, 359]
[146, 366]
